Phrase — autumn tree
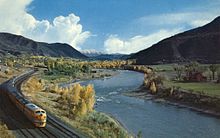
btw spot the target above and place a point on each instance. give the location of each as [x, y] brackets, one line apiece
[213, 68]
[191, 67]
[146, 80]
[76, 93]
[153, 87]
[81, 108]
[79, 100]
[179, 71]
[90, 97]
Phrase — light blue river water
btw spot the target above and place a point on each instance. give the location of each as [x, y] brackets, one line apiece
[154, 120]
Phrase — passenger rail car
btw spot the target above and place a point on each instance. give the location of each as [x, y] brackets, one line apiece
[34, 113]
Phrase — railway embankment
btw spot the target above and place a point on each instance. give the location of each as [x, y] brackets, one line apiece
[18, 123]
[54, 99]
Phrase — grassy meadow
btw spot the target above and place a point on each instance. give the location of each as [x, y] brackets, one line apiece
[209, 87]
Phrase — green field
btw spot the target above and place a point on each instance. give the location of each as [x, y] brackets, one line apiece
[211, 89]
[57, 78]
[208, 88]
[164, 67]
[169, 67]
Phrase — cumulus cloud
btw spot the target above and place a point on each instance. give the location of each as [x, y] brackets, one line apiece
[14, 18]
[116, 45]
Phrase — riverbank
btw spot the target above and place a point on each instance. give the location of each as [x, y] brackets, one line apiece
[160, 86]
[66, 79]
[181, 98]
[94, 124]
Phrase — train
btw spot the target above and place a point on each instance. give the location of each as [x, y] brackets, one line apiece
[34, 113]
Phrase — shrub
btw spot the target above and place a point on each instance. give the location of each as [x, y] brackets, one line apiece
[8, 72]
[34, 84]
[105, 126]
[5, 133]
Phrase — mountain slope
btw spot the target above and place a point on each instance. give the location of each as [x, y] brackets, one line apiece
[201, 44]
[17, 45]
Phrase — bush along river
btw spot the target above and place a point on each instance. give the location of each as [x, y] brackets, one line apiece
[152, 119]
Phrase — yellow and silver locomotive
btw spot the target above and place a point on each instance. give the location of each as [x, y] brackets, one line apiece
[34, 113]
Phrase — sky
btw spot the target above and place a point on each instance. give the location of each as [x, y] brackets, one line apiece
[109, 26]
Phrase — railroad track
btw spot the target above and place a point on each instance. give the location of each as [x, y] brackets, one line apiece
[18, 123]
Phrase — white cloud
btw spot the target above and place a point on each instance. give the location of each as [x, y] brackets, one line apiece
[14, 18]
[116, 45]
[167, 23]
[91, 51]
[193, 19]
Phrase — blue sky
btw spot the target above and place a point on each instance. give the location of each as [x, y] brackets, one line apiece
[112, 26]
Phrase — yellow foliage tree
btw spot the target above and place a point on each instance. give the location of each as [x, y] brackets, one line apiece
[90, 97]
[81, 108]
[153, 87]
[146, 83]
[89, 90]
[90, 104]
[77, 99]
[76, 94]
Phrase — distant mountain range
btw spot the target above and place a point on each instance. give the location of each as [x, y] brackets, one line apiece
[95, 55]
[17, 45]
[201, 44]
[110, 57]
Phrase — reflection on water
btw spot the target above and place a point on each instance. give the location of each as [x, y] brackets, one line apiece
[155, 120]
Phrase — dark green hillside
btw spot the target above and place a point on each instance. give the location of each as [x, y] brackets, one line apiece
[17, 45]
[200, 44]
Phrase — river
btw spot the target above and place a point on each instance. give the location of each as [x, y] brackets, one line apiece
[154, 120]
